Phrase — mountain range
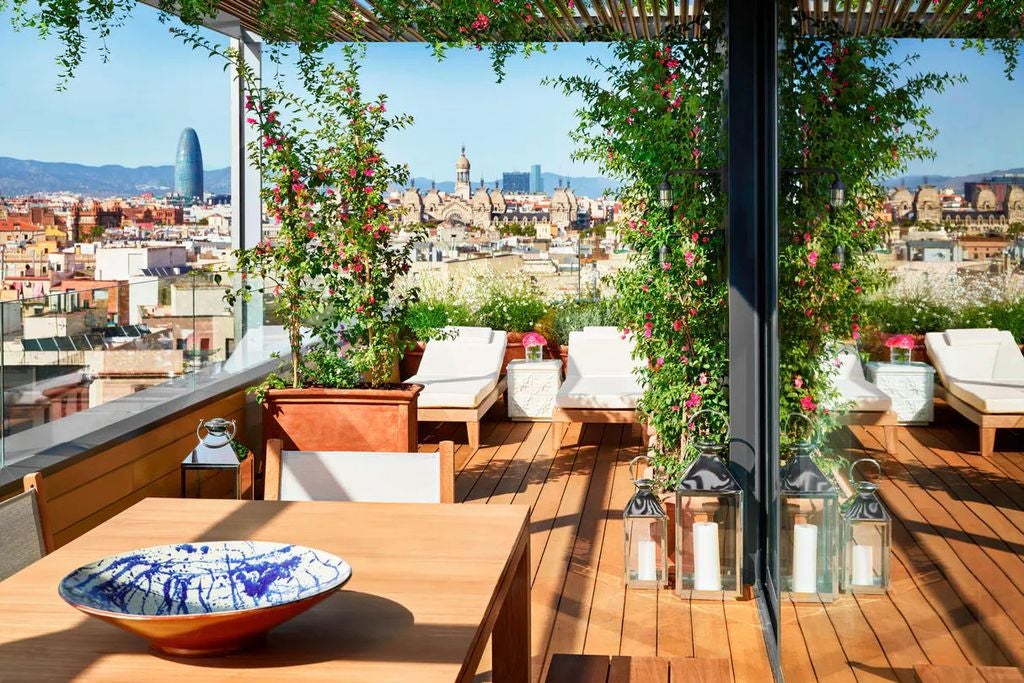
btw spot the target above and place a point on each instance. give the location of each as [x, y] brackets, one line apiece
[25, 177]
[22, 177]
[956, 182]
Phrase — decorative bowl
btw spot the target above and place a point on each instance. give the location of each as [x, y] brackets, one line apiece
[204, 599]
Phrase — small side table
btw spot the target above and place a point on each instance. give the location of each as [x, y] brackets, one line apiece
[911, 386]
[532, 386]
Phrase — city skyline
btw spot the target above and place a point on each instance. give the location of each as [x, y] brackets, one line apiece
[506, 127]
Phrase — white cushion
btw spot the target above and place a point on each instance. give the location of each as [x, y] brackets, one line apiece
[482, 334]
[849, 363]
[973, 337]
[601, 332]
[858, 394]
[453, 392]
[600, 356]
[464, 357]
[361, 477]
[992, 396]
[993, 356]
[610, 393]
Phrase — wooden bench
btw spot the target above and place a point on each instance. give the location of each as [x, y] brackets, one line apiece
[604, 669]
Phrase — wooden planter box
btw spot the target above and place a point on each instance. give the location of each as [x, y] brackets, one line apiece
[343, 419]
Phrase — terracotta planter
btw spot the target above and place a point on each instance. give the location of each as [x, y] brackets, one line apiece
[410, 363]
[514, 349]
[343, 419]
[919, 354]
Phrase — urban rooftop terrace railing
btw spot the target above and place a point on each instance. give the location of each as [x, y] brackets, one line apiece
[81, 363]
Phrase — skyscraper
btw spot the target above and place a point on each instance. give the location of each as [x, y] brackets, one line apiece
[515, 182]
[188, 167]
[536, 182]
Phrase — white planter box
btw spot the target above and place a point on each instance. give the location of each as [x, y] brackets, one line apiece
[911, 386]
[532, 386]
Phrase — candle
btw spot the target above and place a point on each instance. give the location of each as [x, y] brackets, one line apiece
[707, 571]
[647, 563]
[805, 558]
[863, 566]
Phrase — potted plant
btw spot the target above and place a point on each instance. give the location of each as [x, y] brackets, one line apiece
[900, 346]
[438, 305]
[512, 302]
[334, 268]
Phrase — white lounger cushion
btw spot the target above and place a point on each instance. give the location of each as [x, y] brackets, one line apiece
[856, 393]
[611, 393]
[601, 371]
[984, 368]
[444, 392]
[361, 477]
[461, 370]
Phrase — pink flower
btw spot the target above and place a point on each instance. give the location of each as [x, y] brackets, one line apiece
[798, 382]
[812, 258]
[690, 258]
[901, 341]
[693, 401]
[807, 403]
[534, 339]
[648, 330]
[666, 265]
[368, 173]
[250, 121]
[837, 266]
[677, 325]
[703, 379]
[351, 173]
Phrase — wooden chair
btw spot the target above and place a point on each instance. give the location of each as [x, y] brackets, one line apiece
[981, 375]
[868, 405]
[461, 378]
[24, 523]
[360, 477]
[600, 383]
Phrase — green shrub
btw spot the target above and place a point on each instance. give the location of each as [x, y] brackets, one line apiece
[910, 316]
[569, 316]
[427, 317]
[509, 301]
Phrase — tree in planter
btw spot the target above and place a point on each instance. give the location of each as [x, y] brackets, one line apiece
[843, 105]
[649, 112]
[334, 265]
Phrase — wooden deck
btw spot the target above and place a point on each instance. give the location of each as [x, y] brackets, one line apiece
[579, 602]
[958, 591]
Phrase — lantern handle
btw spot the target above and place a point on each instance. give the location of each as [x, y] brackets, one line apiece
[728, 427]
[633, 464]
[852, 471]
[202, 423]
[814, 428]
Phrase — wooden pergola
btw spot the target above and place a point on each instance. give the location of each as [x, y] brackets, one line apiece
[649, 19]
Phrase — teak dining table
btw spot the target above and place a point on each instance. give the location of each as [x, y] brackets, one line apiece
[430, 584]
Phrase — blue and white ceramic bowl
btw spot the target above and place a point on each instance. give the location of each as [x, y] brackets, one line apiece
[205, 598]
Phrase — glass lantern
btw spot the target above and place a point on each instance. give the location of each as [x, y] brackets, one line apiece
[217, 453]
[646, 527]
[867, 537]
[709, 524]
[809, 527]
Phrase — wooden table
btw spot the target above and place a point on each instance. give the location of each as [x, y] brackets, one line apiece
[430, 583]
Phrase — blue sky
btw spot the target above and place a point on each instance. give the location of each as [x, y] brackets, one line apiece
[131, 109]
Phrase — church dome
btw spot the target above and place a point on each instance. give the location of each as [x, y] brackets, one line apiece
[463, 163]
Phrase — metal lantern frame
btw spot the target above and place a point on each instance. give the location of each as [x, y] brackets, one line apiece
[803, 485]
[864, 510]
[644, 508]
[709, 477]
[216, 450]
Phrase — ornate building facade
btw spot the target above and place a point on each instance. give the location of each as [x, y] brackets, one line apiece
[482, 208]
[985, 209]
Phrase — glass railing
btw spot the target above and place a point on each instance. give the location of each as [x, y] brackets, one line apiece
[79, 355]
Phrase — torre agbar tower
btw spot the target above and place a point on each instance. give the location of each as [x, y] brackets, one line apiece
[188, 167]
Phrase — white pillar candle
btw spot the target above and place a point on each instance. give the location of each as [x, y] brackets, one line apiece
[646, 561]
[707, 569]
[805, 558]
[863, 566]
